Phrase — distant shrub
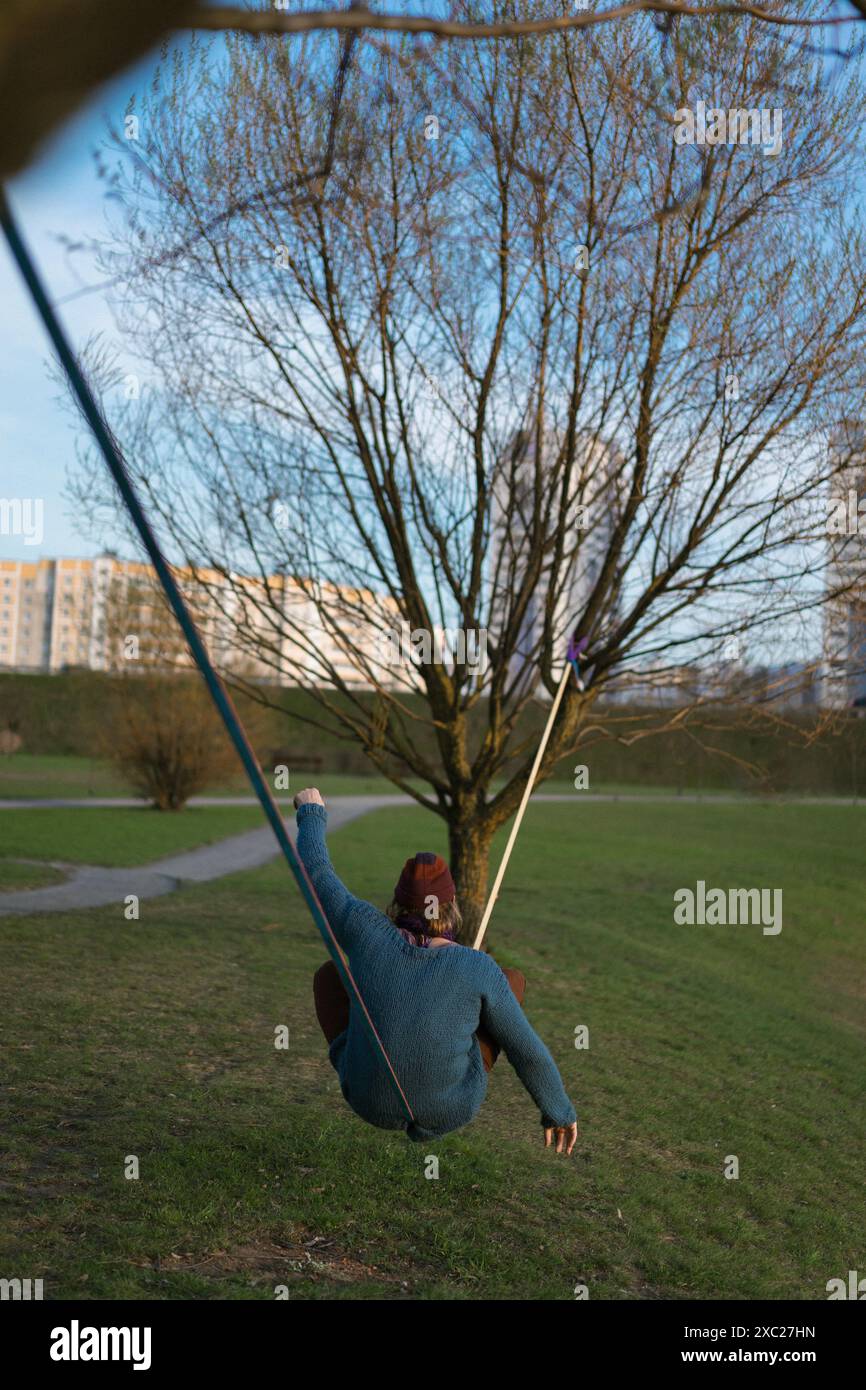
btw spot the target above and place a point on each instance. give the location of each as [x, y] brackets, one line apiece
[166, 739]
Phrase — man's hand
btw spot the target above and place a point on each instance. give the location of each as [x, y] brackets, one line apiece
[310, 795]
[567, 1135]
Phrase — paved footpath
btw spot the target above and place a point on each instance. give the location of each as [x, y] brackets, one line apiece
[94, 886]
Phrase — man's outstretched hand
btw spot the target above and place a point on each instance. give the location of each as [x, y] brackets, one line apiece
[565, 1136]
[307, 796]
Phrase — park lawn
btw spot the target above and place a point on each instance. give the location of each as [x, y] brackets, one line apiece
[117, 836]
[64, 775]
[44, 777]
[16, 874]
[157, 1040]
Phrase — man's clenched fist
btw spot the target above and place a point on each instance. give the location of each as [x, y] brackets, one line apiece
[307, 796]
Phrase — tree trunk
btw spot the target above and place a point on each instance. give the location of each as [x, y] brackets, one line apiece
[469, 855]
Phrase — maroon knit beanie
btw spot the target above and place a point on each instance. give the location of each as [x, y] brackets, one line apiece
[427, 875]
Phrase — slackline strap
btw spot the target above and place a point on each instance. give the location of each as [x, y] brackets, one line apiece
[214, 682]
[575, 648]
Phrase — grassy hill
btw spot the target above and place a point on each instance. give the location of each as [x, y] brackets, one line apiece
[156, 1039]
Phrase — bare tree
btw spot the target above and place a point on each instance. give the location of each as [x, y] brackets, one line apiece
[159, 727]
[520, 362]
[53, 53]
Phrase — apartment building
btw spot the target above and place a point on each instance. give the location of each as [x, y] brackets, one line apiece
[26, 607]
[53, 612]
[62, 613]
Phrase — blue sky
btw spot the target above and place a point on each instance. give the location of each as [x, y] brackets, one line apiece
[59, 195]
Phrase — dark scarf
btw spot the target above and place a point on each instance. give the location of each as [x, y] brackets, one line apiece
[415, 928]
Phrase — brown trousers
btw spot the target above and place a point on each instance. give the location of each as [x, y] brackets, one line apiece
[332, 1005]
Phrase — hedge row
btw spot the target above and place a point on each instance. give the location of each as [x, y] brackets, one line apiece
[65, 714]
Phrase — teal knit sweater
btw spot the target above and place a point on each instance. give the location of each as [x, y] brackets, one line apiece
[426, 1006]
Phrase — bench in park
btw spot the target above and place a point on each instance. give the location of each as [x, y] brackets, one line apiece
[297, 761]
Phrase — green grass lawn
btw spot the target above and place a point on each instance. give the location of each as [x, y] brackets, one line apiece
[156, 1039]
[67, 776]
[116, 836]
[15, 874]
[42, 777]
[37, 776]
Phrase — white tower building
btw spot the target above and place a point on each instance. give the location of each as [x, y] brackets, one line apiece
[844, 665]
[591, 509]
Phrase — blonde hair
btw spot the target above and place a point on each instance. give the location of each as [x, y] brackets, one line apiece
[449, 917]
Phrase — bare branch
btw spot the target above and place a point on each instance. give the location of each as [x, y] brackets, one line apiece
[307, 21]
